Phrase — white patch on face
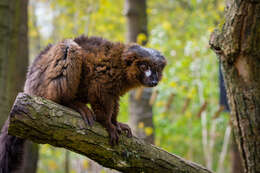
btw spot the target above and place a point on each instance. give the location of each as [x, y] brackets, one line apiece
[148, 73]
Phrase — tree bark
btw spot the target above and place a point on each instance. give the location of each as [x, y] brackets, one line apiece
[44, 121]
[237, 46]
[139, 108]
[236, 165]
[13, 65]
[13, 52]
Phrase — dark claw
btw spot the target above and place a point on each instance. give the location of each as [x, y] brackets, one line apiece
[125, 127]
[89, 120]
[119, 130]
[114, 139]
[113, 135]
[94, 117]
[89, 116]
[129, 133]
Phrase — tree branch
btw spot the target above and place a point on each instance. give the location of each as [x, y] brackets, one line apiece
[44, 121]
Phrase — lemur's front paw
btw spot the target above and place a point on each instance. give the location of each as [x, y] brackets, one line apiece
[87, 114]
[113, 135]
[124, 127]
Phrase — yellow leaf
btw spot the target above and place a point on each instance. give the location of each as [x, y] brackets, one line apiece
[160, 103]
[110, 27]
[188, 114]
[141, 38]
[85, 164]
[33, 33]
[140, 125]
[162, 115]
[211, 29]
[173, 84]
[166, 25]
[148, 131]
[102, 171]
[52, 165]
[221, 7]
[192, 93]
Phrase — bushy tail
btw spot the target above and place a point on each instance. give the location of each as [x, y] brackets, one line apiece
[11, 151]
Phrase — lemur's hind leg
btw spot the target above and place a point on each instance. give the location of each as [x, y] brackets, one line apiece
[61, 77]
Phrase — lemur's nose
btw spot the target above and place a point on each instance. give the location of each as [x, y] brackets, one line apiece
[154, 82]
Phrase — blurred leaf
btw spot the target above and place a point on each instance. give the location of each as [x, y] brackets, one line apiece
[148, 131]
[141, 125]
[141, 38]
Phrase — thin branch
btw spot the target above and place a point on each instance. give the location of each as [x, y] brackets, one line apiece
[153, 97]
[169, 102]
[224, 149]
[205, 137]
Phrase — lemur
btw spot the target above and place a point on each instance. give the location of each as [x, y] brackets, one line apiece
[86, 70]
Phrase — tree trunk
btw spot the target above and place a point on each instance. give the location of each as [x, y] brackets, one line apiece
[235, 156]
[238, 48]
[44, 121]
[139, 107]
[13, 52]
[236, 165]
[13, 60]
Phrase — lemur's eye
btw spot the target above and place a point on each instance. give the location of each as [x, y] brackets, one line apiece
[143, 67]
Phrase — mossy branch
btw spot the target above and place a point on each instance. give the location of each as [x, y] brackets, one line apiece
[44, 121]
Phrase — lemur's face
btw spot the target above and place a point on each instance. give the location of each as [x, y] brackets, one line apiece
[151, 68]
[149, 75]
[148, 64]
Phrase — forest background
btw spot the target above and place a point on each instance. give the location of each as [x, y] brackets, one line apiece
[188, 120]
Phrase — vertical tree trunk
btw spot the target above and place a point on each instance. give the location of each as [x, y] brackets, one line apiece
[13, 61]
[236, 166]
[235, 156]
[31, 156]
[237, 46]
[13, 52]
[140, 110]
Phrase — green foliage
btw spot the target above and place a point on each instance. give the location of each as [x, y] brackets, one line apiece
[180, 29]
[90, 17]
[51, 159]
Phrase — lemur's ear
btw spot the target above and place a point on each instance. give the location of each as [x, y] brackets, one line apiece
[129, 55]
[132, 53]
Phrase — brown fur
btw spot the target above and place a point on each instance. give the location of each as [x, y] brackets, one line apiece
[95, 71]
